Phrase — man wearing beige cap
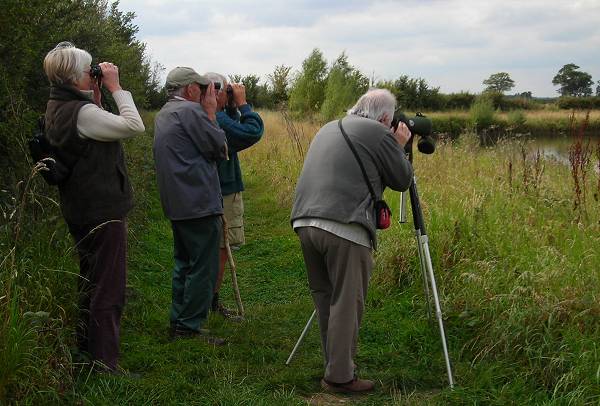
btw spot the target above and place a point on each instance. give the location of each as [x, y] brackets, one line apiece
[187, 145]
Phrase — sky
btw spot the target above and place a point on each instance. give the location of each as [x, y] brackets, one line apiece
[452, 44]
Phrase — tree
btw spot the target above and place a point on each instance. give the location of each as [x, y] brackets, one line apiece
[598, 89]
[344, 85]
[573, 82]
[250, 82]
[308, 91]
[499, 82]
[413, 93]
[279, 81]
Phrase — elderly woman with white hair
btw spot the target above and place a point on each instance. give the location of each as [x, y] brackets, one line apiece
[334, 218]
[96, 196]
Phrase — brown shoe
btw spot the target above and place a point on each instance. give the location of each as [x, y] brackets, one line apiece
[356, 385]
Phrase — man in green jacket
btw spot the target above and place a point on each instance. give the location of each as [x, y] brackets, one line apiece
[243, 128]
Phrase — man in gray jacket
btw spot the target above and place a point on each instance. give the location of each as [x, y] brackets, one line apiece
[187, 145]
[334, 217]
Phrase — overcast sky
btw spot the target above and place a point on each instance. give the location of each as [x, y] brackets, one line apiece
[453, 44]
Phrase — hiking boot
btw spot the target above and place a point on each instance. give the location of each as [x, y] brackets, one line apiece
[229, 314]
[356, 385]
[202, 334]
[217, 307]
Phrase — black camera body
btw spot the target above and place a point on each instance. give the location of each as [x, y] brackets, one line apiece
[419, 125]
[96, 71]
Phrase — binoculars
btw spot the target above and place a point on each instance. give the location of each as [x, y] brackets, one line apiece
[420, 125]
[229, 93]
[95, 71]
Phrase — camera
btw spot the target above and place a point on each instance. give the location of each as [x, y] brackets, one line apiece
[96, 71]
[419, 125]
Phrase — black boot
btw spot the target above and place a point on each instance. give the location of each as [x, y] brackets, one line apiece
[215, 302]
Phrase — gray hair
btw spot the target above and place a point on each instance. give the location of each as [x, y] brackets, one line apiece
[176, 92]
[374, 104]
[66, 64]
[216, 78]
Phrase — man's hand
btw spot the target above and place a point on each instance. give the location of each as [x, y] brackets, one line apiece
[209, 102]
[402, 134]
[110, 76]
[239, 94]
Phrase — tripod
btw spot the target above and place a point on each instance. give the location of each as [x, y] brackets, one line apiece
[429, 284]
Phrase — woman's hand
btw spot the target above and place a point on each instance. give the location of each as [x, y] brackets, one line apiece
[110, 76]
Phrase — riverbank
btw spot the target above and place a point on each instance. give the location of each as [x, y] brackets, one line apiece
[524, 123]
[516, 267]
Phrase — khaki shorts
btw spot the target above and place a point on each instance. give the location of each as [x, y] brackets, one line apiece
[233, 207]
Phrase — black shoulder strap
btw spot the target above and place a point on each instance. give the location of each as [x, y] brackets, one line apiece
[362, 167]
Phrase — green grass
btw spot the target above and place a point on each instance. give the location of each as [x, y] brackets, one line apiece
[518, 278]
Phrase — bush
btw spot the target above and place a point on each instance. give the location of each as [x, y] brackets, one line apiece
[583, 103]
[458, 101]
[482, 112]
[516, 119]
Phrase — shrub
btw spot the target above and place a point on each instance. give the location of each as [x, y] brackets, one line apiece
[482, 112]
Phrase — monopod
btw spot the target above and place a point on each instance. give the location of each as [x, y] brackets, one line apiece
[429, 284]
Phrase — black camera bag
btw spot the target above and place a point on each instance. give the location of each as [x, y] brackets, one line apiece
[40, 149]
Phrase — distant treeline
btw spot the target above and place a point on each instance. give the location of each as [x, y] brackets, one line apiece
[326, 90]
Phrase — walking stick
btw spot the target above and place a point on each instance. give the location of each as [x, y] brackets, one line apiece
[236, 289]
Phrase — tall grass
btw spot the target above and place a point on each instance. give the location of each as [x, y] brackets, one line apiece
[518, 270]
[38, 281]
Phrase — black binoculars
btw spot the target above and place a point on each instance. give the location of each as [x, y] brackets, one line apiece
[95, 71]
[229, 93]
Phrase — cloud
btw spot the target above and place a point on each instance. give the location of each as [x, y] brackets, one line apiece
[454, 44]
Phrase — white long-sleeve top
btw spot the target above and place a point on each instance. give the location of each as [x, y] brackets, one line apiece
[100, 125]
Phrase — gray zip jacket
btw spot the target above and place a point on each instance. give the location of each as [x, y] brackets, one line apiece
[331, 185]
[187, 146]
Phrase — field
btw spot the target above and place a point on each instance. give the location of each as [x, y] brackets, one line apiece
[515, 248]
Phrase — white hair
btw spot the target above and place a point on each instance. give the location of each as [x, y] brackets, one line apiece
[176, 92]
[216, 78]
[375, 104]
[66, 64]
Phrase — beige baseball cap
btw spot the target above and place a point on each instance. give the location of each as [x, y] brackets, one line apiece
[183, 76]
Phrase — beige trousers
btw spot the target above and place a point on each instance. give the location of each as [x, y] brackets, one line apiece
[338, 277]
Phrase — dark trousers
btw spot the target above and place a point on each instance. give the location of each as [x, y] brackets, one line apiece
[338, 277]
[196, 254]
[102, 253]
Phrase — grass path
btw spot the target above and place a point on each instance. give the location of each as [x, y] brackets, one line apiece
[401, 353]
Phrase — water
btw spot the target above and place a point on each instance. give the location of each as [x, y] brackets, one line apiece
[557, 148]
